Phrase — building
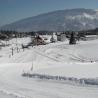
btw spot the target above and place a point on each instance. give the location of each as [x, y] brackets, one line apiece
[37, 40]
[61, 37]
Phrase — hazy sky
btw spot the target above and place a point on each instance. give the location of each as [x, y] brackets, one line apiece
[13, 10]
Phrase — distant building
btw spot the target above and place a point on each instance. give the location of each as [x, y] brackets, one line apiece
[38, 41]
[61, 37]
[53, 38]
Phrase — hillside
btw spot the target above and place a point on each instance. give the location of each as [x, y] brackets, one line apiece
[70, 19]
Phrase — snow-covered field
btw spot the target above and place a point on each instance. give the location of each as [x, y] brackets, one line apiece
[54, 59]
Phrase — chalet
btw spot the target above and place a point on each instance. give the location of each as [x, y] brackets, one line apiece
[37, 40]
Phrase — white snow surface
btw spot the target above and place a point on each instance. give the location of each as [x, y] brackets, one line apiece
[62, 59]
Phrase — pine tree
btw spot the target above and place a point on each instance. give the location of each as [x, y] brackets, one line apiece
[72, 39]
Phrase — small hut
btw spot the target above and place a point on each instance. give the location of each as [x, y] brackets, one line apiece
[38, 41]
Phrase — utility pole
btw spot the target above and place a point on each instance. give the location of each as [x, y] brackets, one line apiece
[12, 51]
[32, 67]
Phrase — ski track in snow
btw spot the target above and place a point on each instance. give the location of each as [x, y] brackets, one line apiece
[12, 94]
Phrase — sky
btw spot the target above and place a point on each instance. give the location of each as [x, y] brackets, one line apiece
[13, 10]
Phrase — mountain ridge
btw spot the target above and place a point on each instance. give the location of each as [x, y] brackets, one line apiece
[59, 20]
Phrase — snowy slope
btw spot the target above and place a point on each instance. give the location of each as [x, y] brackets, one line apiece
[56, 56]
[78, 61]
[12, 83]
